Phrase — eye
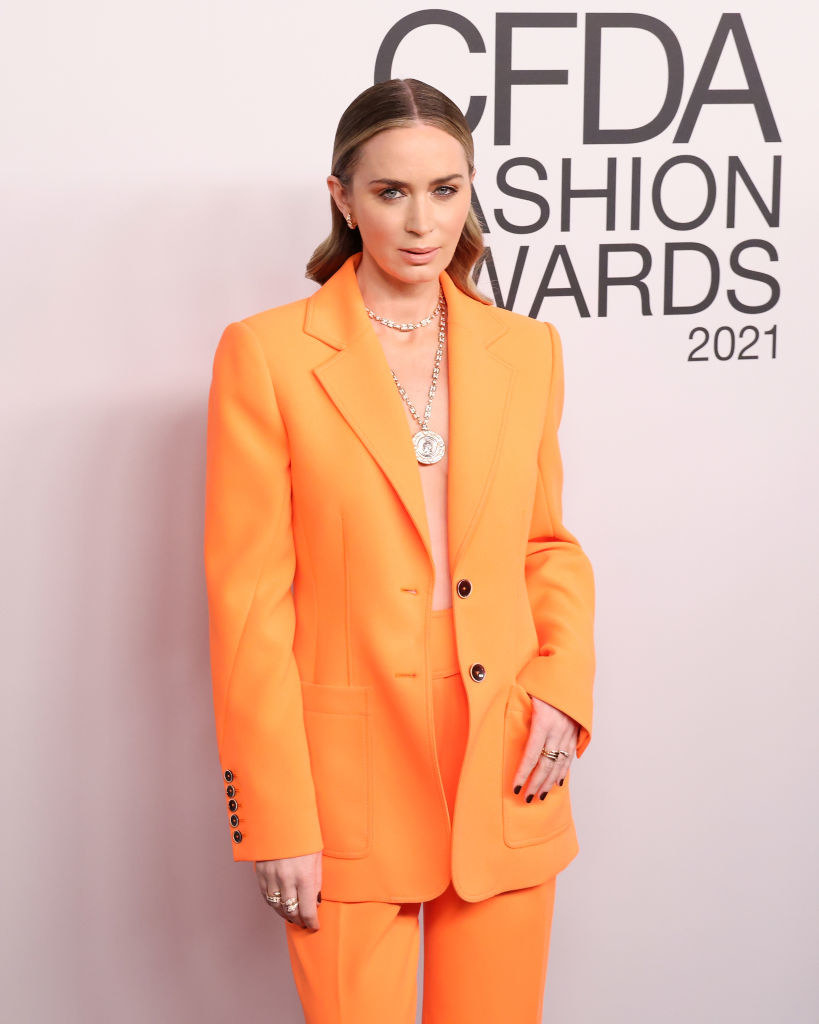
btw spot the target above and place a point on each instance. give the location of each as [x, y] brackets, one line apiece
[450, 191]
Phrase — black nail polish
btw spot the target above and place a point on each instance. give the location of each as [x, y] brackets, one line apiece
[561, 782]
[529, 798]
[318, 898]
[517, 789]
[543, 794]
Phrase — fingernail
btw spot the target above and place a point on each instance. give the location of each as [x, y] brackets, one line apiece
[561, 782]
[529, 798]
[517, 789]
[543, 794]
[318, 898]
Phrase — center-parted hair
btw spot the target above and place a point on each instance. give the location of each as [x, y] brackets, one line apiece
[396, 103]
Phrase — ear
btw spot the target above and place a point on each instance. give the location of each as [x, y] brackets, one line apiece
[338, 193]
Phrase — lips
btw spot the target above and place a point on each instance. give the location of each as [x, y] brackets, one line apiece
[421, 252]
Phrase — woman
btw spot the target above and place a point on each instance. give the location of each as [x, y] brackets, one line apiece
[398, 729]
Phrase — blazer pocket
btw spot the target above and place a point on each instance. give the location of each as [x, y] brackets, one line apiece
[525, 824]
[337, 723]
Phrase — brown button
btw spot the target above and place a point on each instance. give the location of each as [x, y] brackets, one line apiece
[237, 836]
[234, 820]
[232, 805]
[228, 775]
[464, 588]
[230, 790]
[477, 671]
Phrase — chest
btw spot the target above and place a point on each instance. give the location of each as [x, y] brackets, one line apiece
[414, 370]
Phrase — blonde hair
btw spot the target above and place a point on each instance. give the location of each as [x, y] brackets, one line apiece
[396, 103]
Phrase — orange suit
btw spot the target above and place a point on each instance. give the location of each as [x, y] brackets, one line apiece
[323, 693]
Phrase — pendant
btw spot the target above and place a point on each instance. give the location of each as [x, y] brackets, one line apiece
[429, 446]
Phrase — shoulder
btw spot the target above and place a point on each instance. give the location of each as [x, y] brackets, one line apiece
[271, 332]
[533, 341]
[269, 322]
[520, 323]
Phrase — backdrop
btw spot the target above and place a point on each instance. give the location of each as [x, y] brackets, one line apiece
[646, 179]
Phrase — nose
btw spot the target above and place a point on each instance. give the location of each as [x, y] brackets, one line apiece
[419, 216]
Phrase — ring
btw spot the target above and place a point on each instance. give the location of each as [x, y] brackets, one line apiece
[275, 898]
[291, 904]
[551, 754]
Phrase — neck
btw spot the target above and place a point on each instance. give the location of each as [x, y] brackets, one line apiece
[403, 301]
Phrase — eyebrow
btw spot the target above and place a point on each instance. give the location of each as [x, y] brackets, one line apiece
[403, 184]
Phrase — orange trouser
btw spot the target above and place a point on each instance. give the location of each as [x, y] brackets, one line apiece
[484, 963]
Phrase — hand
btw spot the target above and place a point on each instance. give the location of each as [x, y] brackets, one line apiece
[553, 730]
[292, 876]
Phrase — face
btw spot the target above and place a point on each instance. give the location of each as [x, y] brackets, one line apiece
[410, 190]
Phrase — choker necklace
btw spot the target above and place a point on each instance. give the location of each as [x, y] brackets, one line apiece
[408, 327]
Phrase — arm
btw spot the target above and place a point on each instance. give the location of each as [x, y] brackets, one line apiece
[560, 582]
[249, 567]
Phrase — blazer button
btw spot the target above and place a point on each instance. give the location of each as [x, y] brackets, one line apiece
[237, 836]
[230, 790]
[232, 805]
[464, 588]
[228, 775]
[477, 671]
[234, 820]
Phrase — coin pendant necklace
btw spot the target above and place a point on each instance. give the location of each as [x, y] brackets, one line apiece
[429, 445]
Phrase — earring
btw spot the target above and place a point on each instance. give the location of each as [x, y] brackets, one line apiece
[349, 222]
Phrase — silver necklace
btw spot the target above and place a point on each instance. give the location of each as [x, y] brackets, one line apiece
[429, 445]
[408, 327]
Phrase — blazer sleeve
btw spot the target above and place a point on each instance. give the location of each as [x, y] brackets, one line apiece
[249, 567]
[560, 582]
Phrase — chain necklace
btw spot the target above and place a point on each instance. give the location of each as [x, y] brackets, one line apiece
[429, 445]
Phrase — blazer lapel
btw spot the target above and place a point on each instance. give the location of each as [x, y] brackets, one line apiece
[358, 380]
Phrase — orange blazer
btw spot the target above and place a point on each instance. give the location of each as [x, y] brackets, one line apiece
[322, 689]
